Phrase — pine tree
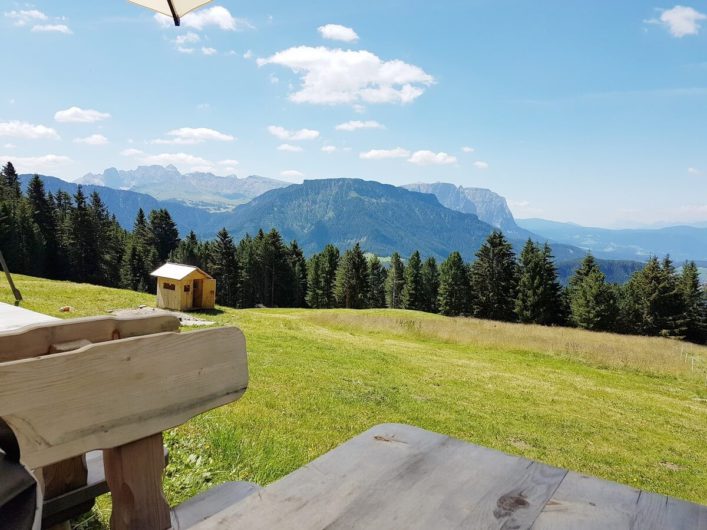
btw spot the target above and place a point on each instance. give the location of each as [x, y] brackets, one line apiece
[11, 182]
[695, 303]
[248, 272]
[330, 257]
[395, 282]
[539, 299]
[453, 299]
[298, 267]
[430, 285]
[352, 288]
[494, 279]
[315, 282]
[592, 300]
[224, 268]
[164, 233]
[376, 280]
[188, 252]
[413, 290]
[43, 217]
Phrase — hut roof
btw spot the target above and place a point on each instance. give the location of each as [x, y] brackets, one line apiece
[174, 271]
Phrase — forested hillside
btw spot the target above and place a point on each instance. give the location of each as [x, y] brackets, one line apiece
[75, 238]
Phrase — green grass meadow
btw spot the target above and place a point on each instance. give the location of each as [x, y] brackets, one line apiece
[593, 403]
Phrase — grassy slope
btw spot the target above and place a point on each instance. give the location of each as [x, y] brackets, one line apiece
[318, 378]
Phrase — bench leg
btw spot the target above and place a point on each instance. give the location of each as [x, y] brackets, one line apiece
[134, 476]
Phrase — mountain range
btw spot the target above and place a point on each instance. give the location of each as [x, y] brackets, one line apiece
[433, 218]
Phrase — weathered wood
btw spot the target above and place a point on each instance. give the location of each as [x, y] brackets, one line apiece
[36, 340]
[211, 502]
[395, 476]
[129, 389]
[15, 291]
[134, 476]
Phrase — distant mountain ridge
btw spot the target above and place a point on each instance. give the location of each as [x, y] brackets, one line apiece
[681, 242]
[204, 190]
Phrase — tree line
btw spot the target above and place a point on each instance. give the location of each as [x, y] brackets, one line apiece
[74, 238]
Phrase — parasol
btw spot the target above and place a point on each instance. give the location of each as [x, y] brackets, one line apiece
[172, 8]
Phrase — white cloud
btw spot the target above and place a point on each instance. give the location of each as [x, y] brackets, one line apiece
[131, 152]
[248, 55]
[295, 136]
[429, 158]
[79, 115]
[335, 76]
[289, 148]
[358, 124]
[480, 164]
[56, 28]
[36, 164]
[20, 129]
[291, 173]
[208, 51]
[468, 149]
[180, 160]
[24, 17]
[187, 38]
[694, 171]
[184, 49]
[329, 149]
[380, 154]
[192, 136]
[338, 32]
[216, 16]
[94, 139]
[229, 162]
[681, 21]
[9, 146]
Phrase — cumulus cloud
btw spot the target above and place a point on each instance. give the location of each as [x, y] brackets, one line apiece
[36, 164]
[681, 21]
[289, 148]
[329, 149]
[480, 164]
[337, 32]
[192, 136]
[217, 16]
[292, 135]
[291, 173]
[381, 154]
[56, 28]
[94, 139]
[130, 152]
[354, 125]
[79, 115]
[208, 51]
[694, 171]
[182, 161]
[29, 131]
[187, 38]
[429, 158]
[25, 17]
[468, 149]
[335, 76]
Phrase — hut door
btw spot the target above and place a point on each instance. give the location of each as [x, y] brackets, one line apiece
[198, 292]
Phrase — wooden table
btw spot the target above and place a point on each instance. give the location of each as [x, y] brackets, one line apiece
[12, 317]
[396, 476]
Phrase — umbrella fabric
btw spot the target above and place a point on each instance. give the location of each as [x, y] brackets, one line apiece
[181, 7]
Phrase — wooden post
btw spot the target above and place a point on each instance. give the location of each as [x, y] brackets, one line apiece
[134, 476]
[15, 290]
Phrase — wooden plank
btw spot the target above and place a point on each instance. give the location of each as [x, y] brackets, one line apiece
[36, 340]
[134, 476]
[587, 503]
[129, 389]
[396, 476]
[211, 502]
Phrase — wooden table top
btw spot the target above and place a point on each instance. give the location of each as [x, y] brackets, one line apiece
[397, 476]
[13, 317]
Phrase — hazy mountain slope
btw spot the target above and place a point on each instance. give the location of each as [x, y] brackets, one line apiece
[681, 242]
[204, 190]
[125, 205]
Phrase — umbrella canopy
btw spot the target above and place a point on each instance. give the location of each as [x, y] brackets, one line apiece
[172, 8]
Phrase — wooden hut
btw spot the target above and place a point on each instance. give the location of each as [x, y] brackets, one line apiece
[183, 287]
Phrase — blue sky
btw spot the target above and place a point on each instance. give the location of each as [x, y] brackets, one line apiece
[592, 112]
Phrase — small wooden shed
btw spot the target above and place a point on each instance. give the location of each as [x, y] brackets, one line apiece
[184, 287]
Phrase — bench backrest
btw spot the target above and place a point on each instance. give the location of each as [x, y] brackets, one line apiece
[113, 393]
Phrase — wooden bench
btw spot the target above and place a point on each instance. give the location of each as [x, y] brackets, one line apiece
[115, 384]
